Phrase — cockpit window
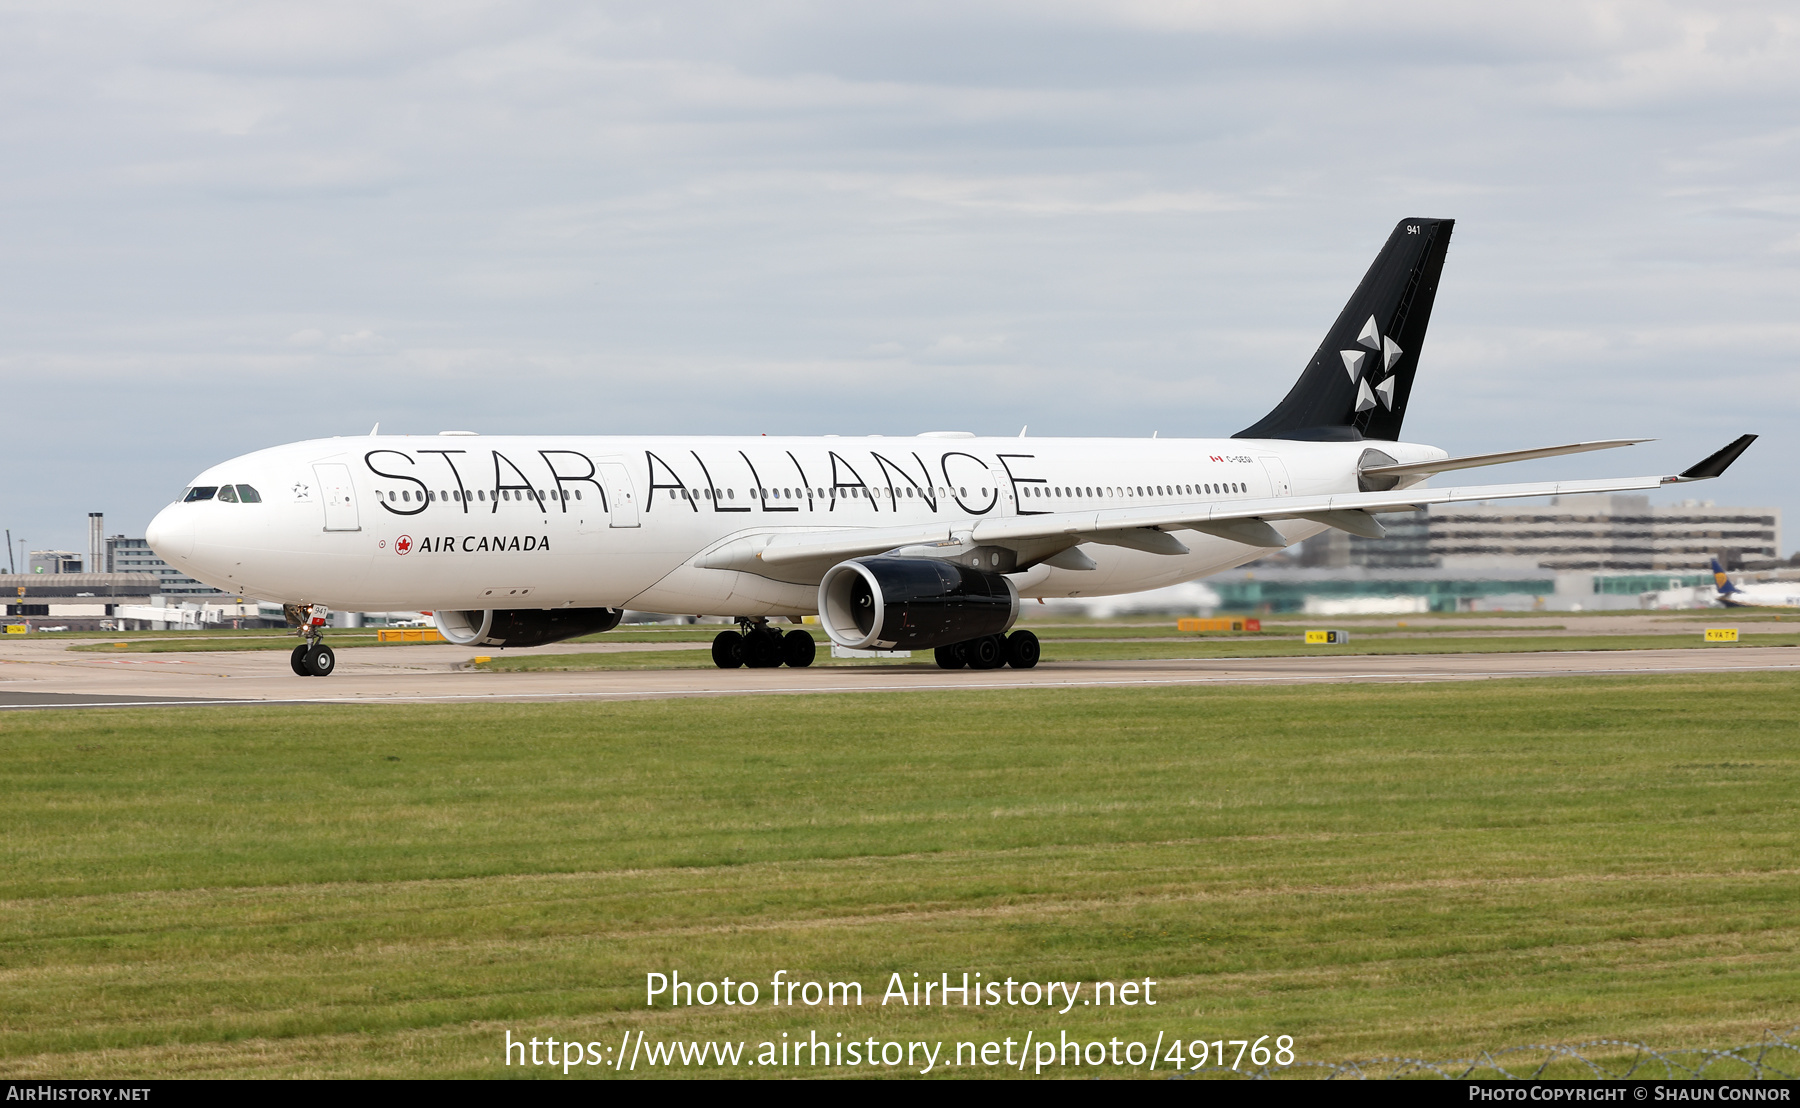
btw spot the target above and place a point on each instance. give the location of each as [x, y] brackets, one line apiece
[249, 495]
[200, 492]
[228, 494]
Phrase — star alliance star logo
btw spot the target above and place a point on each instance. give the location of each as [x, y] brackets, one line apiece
[1355, 360]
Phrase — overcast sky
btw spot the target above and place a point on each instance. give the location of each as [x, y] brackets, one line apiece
[226, 226]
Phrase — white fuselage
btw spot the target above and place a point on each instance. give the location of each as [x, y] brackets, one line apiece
[1774, 594]
[388, 523]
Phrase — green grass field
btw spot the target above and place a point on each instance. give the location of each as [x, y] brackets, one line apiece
[1374, 870]
[1104, 651]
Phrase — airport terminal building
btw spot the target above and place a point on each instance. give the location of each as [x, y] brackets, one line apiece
[1573, 553]
[1611, 534]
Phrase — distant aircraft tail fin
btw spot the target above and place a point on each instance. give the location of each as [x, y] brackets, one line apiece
[1357, 385]
[1722, 582]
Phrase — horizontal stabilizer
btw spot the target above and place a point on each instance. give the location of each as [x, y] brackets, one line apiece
[1470, 461]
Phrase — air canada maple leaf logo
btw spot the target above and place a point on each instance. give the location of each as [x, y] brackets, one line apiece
[403, 544]
[1372, 365]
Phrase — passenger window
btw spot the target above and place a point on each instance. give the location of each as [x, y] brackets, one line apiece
[200, 492]
[228, 494]
[249, 495]
[481, 495]
[578, 494]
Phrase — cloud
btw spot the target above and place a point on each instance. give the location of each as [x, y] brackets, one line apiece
[1095, 217]
[363, 342]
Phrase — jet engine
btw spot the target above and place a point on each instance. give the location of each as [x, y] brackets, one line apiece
[894, 603]
[524, 626]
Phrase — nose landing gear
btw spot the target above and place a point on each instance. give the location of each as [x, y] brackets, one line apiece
[759, 646]
[312, 658]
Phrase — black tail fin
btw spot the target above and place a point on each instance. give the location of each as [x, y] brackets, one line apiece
[1357, 385]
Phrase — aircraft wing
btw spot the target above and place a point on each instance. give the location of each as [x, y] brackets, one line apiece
[1147, 527]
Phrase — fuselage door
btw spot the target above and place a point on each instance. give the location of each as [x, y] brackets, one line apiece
[338, 495]
[621, 498]
[1278, 477]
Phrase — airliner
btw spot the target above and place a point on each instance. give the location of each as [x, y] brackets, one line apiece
[1770, 594]
[928, 542]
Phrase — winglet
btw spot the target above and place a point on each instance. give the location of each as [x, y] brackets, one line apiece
[1715, 464]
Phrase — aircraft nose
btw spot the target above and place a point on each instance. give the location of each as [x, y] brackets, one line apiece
[171, 534]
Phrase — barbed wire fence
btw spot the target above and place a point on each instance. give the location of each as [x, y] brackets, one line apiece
[1774, 1057]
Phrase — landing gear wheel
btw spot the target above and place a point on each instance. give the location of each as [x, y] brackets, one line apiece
[798, 649]
[987, 652]
[319, 661]
[954, 656]
[1022, 650]
[728, 650]
[298, 661]
[762, 650]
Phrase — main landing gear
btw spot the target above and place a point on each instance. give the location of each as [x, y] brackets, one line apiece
[759, 646]
[312, 658]
[1018, 650]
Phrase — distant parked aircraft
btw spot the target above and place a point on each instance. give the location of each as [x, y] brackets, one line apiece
[1766, 594]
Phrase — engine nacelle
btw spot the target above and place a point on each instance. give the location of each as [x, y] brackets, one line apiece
[892, 603]
[524, 626]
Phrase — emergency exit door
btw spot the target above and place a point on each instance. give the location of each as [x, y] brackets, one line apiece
[338, 495]
[1278, 477]
[621, 498]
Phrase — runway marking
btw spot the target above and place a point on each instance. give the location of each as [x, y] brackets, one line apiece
[932, 686]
